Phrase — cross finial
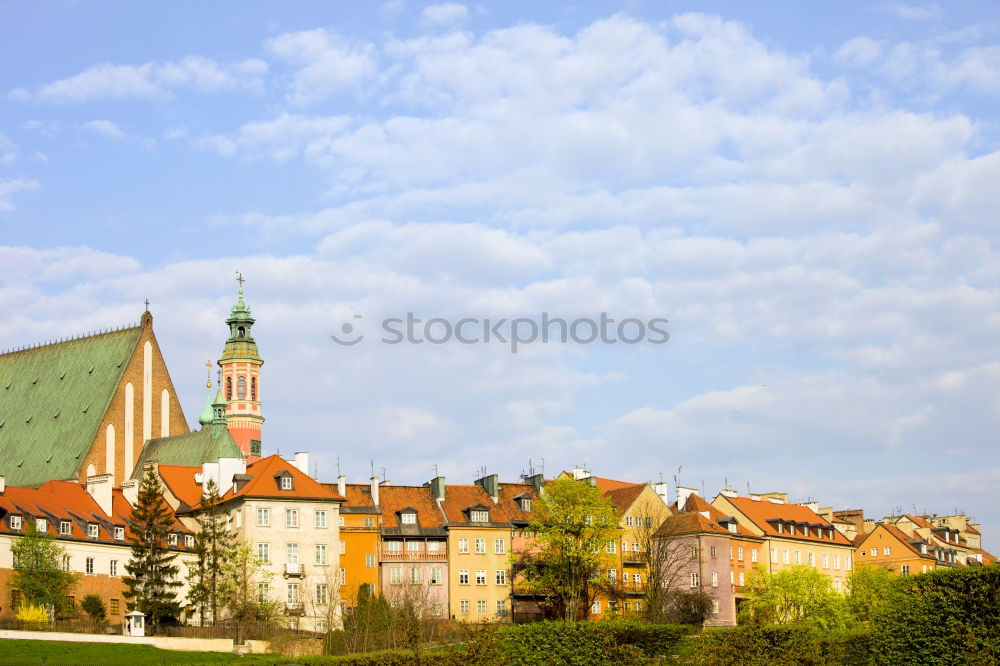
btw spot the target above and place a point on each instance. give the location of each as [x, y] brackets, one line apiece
[147, 304]
[239, 278]
[208, 373]
[219, 375]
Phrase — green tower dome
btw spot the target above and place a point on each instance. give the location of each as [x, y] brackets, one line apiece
[207, 414]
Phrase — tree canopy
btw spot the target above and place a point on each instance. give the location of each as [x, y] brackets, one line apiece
[38, 572]
[798, 594]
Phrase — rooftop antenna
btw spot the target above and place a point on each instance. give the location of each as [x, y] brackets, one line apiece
[373, 467]
[316, 470]
[703, 488]
[338, 467]
[435, 468]
[383, 474]
[542, 466]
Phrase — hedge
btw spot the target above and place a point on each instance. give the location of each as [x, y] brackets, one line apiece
[787, 644]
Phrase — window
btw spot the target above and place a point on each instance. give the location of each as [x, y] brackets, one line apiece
[785, 555]
[435, 575]
[791, 529]
[499, 546]
[501, 607]
[480, 576]
[875, 551]
[66, 528]
[415, 575]
[628, 521]
[113, 569]
[241, 388]
[394, 546]
[65, 563]
[739, 553]
[732, 527]
[826, 560]
[836, 585]
[501, 576]
[715, 579]
[463, 576]
[596, 608]
[319, 518]
[93, 533]
[263, 517]
[229, 388]
[408, 518]
[370, 561]
[774, 555]
[291, 517]
[742, 578]
[781, 528]
[612, 547]
[637, 578]
[805, 530]
[89, 567]
[887, 550]
[463, 545]
[479, 516]
[732, 578]
[730, 553]
[480, 545]
[905, 570]
[715, 606]
[343, 547]
[481, 607]
[395, 576]
[836, 561]
[798, 557]
[115, 607]
[693, 552]
[292, 553]
[172, 539]
[321, 593]
[369, 522]
[253, 388]
[321, 554]
[812, 559]
[188, 541]
[341, 521]
[463, 606]
[526, 504]
[753, 555]
[713, 552]
[847, 561]
[695, 580]
[40, 525]
[612, 575]
[293, 593]
[263, 553]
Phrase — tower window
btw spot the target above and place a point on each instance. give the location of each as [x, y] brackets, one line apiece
[229, 388]
[241, 388]
[241, 331]
[253, 388]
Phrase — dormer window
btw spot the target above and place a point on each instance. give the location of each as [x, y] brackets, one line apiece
[286, 483]
[479, 516]
[732, 527]
[781, 528]
[41, 525]
[526, 504]
[805, 530]
[92, 531]
[408, 518]
[65, 528]
[188, 541]
[791, 528]
[15, 522]
[172, 539]
[119, 534]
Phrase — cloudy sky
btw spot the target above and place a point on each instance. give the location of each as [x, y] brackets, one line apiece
[807, 191]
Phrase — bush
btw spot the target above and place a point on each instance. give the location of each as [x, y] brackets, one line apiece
[33, 617]
[947, 616]
[94, 606]
[651, 639]
[781, 645]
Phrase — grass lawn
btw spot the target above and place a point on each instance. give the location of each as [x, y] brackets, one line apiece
[56, 652]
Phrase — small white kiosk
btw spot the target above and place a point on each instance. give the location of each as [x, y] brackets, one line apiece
[135, 624]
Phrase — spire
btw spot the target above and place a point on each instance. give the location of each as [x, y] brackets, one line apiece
[207, 415]
[218, 414]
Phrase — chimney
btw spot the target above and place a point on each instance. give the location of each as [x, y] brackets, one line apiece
[682, 496]
[342, 485]
[491, 484]
[580, 473]
[661, 490]
[728, 492]
[775, 498]
[302, 462]
[536, 481]
[130, 490]
[437, 487]
[227, 469]
[813, 506]
[374, 481]
[99, 487]
[3, 484]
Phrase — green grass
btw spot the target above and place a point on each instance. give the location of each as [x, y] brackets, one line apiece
[56, 652]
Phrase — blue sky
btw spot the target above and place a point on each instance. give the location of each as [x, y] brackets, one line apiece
[806, 190]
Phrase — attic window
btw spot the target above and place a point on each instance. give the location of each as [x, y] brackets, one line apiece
[172, 539]
[525, 504]
[286, 483]
[479, 516]
[119, 534]
[92, 530]
[732, 527]
[15, 522]
[188, 541]
[41, 525]
[408, 518]
[65, 528]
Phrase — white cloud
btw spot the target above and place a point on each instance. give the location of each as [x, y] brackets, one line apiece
[280, 139]
[106, 128]
[151, 80]
[8, 150]
[913, 11]
[859, 52]
[10, 187]
[448, 13]
[327, 63]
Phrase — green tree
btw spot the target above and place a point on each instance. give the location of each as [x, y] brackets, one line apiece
[799, 594]
[572, 523]
[245, 592]
[152, 576]
[213, 546]
[37, 571]
[94, 607]
[869, 590]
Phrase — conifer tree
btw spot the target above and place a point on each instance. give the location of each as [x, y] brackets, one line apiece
[213, 545]
[152, 576]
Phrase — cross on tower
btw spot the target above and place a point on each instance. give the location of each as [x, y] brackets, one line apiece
[147, 304]
[208, 374]
[239, 278]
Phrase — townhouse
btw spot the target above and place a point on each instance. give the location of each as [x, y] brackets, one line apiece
[792, 534]
[360, 522]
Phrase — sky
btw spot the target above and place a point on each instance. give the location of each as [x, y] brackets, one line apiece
[807, 192]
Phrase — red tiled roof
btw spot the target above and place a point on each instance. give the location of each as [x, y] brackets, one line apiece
[179, 479]
[762, 512]
[689, 522]
[393, 499]
[918, 521]
[264, 484]
[459, 498]
[607, 485]
[358, 494]
[510, 508]
[622, 498]
[697, 503]
[987, 557]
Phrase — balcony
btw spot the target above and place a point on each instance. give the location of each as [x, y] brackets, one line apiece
[414, 556]
[293, 570]
[295, 608]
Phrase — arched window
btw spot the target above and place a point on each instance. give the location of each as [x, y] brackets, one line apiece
[241, 388]
[229, 388]
[241, 331]
[253, 388]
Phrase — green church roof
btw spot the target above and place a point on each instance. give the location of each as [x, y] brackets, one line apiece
[190, 449]
[52, 401]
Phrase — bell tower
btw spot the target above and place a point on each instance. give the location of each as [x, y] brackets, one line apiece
[240, 366]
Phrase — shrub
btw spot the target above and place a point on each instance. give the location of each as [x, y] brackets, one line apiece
[947, 616]
[651, 639]
[781, 645]
[94, 606]
[32, 616]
